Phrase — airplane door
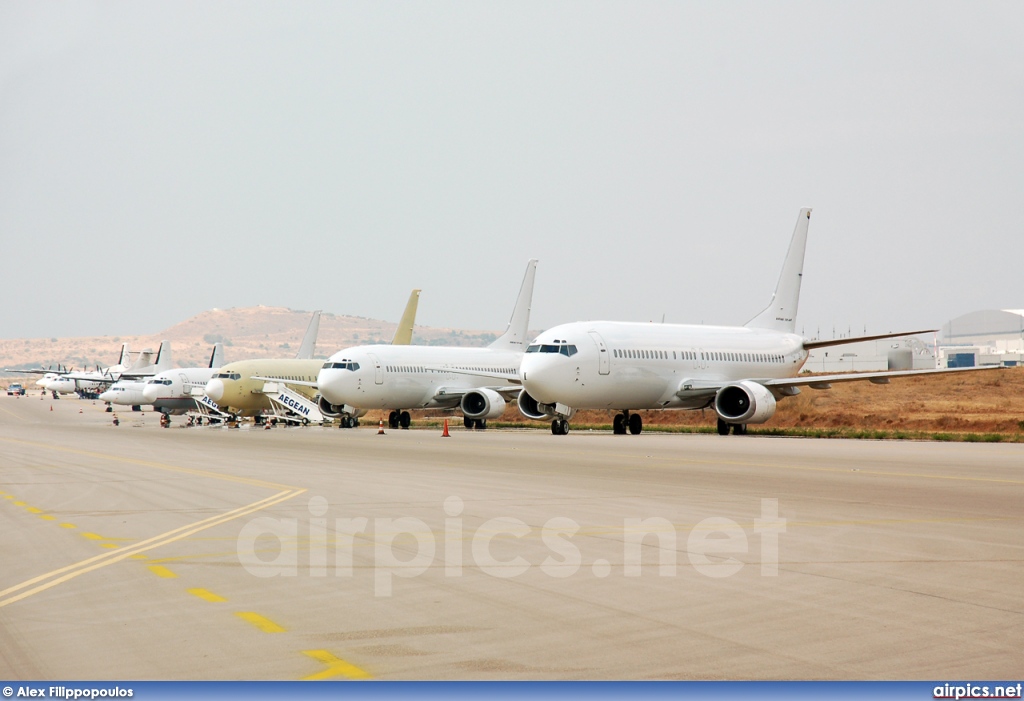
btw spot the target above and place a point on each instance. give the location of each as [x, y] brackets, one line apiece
[378, 371]
[603, 363]
[185, 387]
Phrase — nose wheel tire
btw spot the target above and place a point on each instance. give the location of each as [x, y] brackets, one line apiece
[619, 424]
[560, 427]
[636, 424]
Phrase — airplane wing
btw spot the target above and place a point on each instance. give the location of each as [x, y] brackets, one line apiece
[810, 345]
[507, 392]
[284, 381]
[696, 388]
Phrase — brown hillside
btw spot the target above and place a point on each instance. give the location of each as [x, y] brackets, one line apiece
[247, 332]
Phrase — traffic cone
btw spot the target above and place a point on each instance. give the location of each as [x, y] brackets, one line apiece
[79, 410]
[51, 407]
[445, 433]
[266, 425]
[380, 429]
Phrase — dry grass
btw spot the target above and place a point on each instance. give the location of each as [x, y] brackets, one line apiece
[941, 406]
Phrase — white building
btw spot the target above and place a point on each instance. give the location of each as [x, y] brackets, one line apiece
[989, 337]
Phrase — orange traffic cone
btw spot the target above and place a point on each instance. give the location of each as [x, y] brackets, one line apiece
[51, 407]
[445, 433]
[266, 425]
[79, 410]
[380, 428]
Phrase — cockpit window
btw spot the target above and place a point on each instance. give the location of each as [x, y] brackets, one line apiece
[566, 349]
[227, 376]
[533, 349]
[343, 365]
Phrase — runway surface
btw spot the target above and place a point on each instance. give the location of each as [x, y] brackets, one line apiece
[135, 552]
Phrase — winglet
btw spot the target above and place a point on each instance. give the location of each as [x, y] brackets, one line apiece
[780, 315]
[309, 340]
[403, 334]
[514, 337]
[217, 357]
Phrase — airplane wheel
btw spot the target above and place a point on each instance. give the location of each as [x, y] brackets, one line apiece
[560, 427]
[481, 424]
[467, 422]
[739, 429]
[619, 424]
[404, 419]
[723, 428]
[636, 424]
[393, 419]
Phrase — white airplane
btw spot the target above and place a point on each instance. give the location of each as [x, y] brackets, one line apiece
[740, 372]
[126, 387]
[171, 391]
[84, 381]
[478, 381]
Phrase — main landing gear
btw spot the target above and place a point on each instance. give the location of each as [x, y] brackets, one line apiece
[399, 418]
[625, 421]
[352, 422]
[560, 427]
[474, 423]
[737, 429]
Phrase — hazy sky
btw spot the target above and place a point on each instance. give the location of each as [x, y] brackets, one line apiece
[162, 158]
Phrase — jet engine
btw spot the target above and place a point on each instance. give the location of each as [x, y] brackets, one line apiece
[333, 411]
[482, 404]
[745, 403]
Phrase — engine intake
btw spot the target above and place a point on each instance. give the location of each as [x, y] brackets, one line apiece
[482, 404]
[333, 411]
[745, 403]
[532, 409]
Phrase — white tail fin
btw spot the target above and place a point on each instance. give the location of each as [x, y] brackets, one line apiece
[780, 315]
[163, 357]
[217, 357]
[309, 340]
[514, 337]
[403, 334]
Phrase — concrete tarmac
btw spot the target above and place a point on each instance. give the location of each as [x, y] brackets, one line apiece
[136, 552]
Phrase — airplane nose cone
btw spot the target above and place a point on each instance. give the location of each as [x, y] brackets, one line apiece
[331, 385]
[215, 390]
[108, 396]
[541, 377]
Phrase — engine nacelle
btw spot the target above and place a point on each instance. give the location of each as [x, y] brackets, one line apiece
[333, 411]
[534, 410]
[482, 404]
[745, 403]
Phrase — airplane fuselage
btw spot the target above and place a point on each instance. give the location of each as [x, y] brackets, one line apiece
[412, 377]
[622, 365]
[233, 388]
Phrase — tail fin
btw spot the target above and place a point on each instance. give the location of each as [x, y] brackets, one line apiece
[780, 315]
[126, 357]
[217, 357]
[403, 334]
[514, 337]
[163, 357]
[309, 340]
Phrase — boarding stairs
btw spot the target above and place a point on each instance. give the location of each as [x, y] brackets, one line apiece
[290, 406]
[207, 409]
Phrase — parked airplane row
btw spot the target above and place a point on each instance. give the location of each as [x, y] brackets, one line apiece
[739, 372]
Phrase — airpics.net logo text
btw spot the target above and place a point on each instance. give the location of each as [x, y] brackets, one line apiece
[407, 547]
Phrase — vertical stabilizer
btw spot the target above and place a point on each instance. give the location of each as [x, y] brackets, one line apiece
[403, 334]
[309, 340]
[217, 357]
[163, 357]
[780, 315]
[126, 357]
[514, 337]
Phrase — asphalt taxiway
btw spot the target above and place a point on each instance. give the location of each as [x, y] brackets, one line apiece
[136, 552]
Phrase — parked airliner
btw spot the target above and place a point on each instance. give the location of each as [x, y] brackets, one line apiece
[171, 391]
[740, 372]
[479, 381]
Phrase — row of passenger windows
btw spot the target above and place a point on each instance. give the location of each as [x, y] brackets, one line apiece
[418, 369]
[720, 356]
